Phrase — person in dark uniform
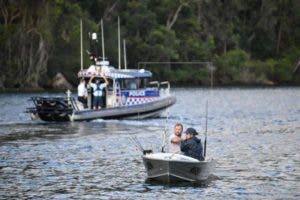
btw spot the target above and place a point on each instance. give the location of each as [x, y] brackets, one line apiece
[192, 146]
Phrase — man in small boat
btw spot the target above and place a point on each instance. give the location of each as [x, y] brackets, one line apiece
[98, 91]
[82, 93]
[192, 146]
[175, 139]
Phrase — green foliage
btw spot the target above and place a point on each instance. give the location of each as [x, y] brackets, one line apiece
[66, 52]
[230, 66]
[236, 67]
[163, 44]
[250, 42]
[282, 71]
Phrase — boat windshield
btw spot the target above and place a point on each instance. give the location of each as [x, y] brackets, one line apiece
[133, 83]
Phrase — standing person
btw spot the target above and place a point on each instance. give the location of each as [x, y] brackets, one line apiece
[97, 91]
[175, 139]
[82, 93]
[192, 146]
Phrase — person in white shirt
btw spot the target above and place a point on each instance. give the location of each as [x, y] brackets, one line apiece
[175, 139]
[82, 93]
[97, 91]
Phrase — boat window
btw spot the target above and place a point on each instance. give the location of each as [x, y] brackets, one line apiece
[144, 82]
[133, 84]
[110, 84]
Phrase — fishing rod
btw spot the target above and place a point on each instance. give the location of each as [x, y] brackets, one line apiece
[165, 133]
[211, 68]
[205, 139]
[137, 143]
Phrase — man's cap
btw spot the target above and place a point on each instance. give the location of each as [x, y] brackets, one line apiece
[191, 131]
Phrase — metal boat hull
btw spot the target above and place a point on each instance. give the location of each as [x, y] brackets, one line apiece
[169, 171]
[146, 110]
[140, 111]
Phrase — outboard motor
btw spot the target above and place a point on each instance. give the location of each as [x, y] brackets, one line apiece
[51, 109]
[148, 151]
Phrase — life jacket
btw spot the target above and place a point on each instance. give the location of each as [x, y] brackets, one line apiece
[98, 91]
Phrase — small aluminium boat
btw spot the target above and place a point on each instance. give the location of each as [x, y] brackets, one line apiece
[170, 167]
[173, 167]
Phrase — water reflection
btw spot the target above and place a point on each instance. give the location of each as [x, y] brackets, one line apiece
[182, 184]
[253, 135]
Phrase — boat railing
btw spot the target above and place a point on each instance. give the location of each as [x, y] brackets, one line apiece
[155, 83]
[73, 103]
[71, 100]
[165, 90]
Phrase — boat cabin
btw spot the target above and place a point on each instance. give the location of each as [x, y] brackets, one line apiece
[126, 86]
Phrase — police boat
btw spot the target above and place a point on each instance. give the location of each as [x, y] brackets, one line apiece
[130, 94]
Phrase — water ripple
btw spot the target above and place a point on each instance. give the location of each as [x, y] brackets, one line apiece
[253, 134]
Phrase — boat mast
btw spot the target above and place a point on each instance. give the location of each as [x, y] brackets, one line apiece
[125, 59]
[102, 40]
[119, 44]
[81, 54]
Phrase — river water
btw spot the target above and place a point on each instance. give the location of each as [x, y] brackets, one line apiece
[253, 134]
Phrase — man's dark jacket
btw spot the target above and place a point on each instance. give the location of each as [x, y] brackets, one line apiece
[192, 147]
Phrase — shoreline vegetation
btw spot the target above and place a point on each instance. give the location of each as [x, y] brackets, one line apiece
[250, 43]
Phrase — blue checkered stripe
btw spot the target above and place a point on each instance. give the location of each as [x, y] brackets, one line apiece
[140, 100]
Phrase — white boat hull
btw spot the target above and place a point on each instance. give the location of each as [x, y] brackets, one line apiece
[139, 111]
[146, 110]
[169, 168]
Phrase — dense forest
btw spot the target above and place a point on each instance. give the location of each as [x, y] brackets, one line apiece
[249, 42]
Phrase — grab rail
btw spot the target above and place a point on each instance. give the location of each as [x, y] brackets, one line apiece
[167, 89]
[155, 83]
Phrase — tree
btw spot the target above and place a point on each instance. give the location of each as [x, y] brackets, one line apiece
[26, 48]
[219, 18]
